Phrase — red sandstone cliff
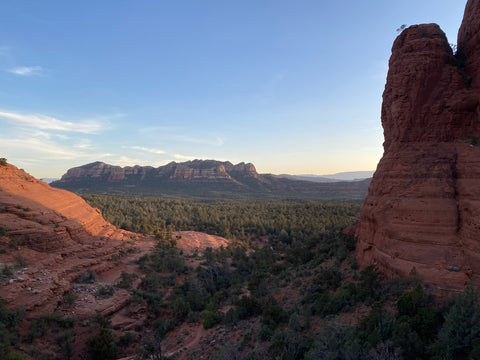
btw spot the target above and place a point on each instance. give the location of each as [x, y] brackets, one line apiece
[44, 218]
[423, 206]
[48, 237]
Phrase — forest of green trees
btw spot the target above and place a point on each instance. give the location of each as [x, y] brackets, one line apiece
[301, 286]
[231, 219]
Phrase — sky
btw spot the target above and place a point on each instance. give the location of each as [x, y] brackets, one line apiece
[292, 86]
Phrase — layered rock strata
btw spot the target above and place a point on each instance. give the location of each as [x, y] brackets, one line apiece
[49, 238]
[422, 212]
[47, 219]
[190, 170]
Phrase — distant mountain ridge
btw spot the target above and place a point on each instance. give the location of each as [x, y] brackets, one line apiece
[201, 178]
[341, 176]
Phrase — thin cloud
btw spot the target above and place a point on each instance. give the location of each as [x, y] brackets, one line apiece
[50, 123]
[184, 157]
[128, 161]
[26, 70]
[25, 147]
[150, 150]
[85, 144]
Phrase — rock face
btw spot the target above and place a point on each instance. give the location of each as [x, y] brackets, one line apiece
[44, 218]
[48, 237]
[51, 237]
[422, 211]
[190, 170]
[201, 178]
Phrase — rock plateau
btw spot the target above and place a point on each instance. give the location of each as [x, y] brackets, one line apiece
[422, 212]
[202, 178]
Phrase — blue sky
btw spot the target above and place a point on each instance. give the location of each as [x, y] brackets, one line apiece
[293, 86]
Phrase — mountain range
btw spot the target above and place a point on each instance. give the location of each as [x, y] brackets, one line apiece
[203, 179]
[341, 176]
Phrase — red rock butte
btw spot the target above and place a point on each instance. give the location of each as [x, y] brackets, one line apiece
[422, 211]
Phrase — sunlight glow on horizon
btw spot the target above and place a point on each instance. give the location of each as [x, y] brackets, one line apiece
[292, 87]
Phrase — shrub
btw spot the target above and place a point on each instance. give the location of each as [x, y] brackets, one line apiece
[3, 231]
[70, 298]
[329, 277]
[102, 345]
[102, 321]
[15, 356]
[87, 277]
[21, 261]
[180, 308]
[273, 315]
[38, 328]
[7, 270]
[247, 307]
[126, 339]
[210, 318]
[458, 337]
[3, 161]
[105, 291]
[65, 341]
[126, 280]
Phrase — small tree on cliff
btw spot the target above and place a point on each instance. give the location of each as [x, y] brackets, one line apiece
[3, 162]
[401, 28]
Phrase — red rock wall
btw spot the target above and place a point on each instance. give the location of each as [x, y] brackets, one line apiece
[423, 207]
[45, 218]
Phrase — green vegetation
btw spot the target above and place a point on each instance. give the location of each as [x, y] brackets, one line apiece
[87, 277]
[3, 162]
[102, 345]
[281, 290]
[3, 231]
[9, 334]
[232, 219]
[105, 291]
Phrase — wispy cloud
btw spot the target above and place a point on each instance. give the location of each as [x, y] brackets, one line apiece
[129, 161]
[150, 150]
[42, 148]
[26, 70]
[50, 123]
[188, 158]
[184, 157]
[84, 144]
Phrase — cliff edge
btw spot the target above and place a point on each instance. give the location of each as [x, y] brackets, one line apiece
[422, 212]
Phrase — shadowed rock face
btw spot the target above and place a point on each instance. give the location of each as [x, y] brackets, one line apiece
[423, 206]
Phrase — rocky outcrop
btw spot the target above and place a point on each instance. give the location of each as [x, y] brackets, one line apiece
[105, 172]
[422, 212]
[201, 178]
[48, 238]
[51, 237]
[44, 218]
[191, 170]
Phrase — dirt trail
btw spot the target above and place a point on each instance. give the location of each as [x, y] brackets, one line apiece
[172, 346]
